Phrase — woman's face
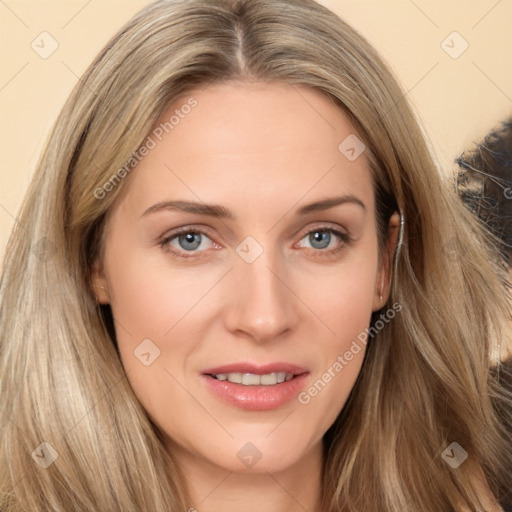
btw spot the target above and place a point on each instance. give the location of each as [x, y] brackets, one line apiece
[244, 247]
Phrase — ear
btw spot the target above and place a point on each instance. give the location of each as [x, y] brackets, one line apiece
[99, 283]
[385, 271]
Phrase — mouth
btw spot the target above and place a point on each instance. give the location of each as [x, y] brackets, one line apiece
[250, 374]
[253, 379]
[256, 387]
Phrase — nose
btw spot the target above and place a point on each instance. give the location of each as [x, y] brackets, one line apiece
[262, 304]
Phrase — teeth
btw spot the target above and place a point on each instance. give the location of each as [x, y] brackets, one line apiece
[235, 377]
[269, 379]
[250, 379]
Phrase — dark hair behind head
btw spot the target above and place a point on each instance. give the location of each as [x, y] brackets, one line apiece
[484, 183]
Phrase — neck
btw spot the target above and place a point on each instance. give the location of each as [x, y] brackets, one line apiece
[216, 489]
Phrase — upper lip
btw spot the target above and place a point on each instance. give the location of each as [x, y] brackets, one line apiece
[256, 369]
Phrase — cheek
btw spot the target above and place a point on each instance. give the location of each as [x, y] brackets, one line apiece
[347, 299]
[152, 307]
[343, 296]
[159, 311]
[344, 304]
[149, 297]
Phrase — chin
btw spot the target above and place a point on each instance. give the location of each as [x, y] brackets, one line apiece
[262, 454]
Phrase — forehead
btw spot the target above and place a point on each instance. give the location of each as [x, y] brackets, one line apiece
[252, 144]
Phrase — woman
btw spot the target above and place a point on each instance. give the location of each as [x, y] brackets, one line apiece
[239, 284]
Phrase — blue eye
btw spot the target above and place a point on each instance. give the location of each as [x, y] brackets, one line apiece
[319, 239]
[190, 241]
[187, 241]
[326, 239]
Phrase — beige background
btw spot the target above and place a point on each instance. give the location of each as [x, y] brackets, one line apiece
[457, 99]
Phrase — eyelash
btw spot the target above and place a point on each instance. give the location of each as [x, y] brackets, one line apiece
[344, 237]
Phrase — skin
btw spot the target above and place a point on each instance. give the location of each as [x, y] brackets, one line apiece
[263, 151]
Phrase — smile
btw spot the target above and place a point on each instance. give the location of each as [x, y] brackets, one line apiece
[251, 379]
[256, 387]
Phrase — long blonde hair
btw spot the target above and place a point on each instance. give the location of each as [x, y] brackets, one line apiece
[426, 379]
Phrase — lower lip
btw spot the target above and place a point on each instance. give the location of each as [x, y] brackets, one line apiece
[256, 398]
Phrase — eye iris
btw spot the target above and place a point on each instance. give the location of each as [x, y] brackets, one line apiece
[320, 239]
[190, 241]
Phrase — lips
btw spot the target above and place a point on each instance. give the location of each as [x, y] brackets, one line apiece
[250, 379]
[256, 369]
[256, 387]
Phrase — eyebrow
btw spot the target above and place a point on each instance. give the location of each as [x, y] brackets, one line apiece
[218, 211]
